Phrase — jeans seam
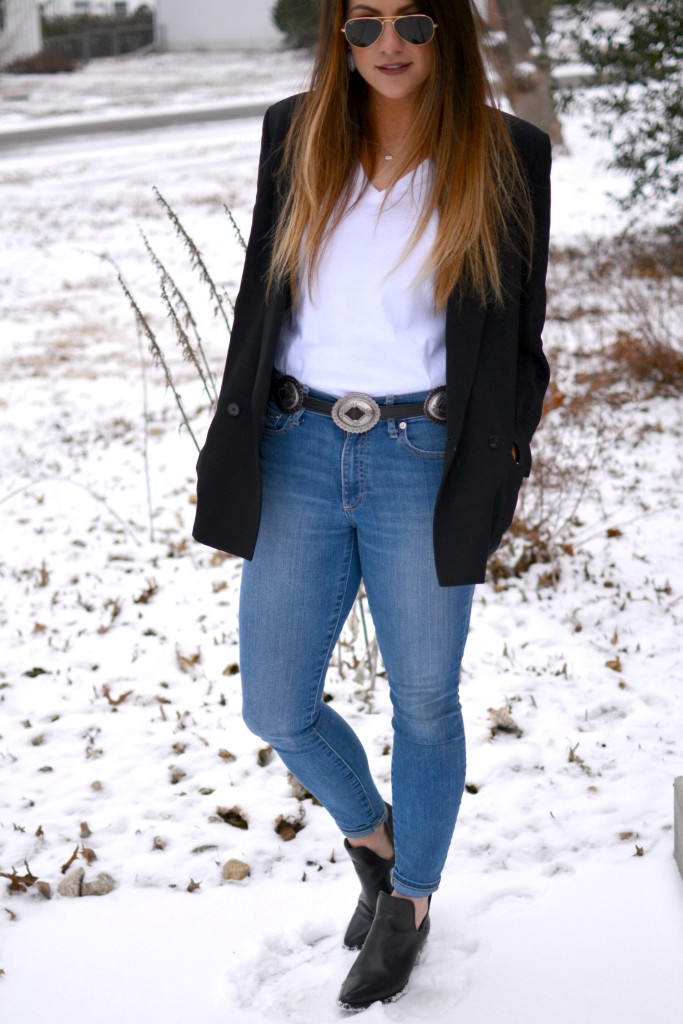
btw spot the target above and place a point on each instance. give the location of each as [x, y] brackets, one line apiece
[334, 627]
[355, 781]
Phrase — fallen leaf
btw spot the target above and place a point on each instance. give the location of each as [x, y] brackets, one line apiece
[287, 828]
[115, 701]
[503, 721]
[232, 817]
[19, 883]
[72, 858]
[187, 662]
[193, 886]
[146, 596]
[300, 791]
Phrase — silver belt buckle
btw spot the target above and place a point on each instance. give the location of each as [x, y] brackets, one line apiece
[356, 413]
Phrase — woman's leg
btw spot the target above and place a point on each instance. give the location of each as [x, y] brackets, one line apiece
[296, 594]
[422, 628]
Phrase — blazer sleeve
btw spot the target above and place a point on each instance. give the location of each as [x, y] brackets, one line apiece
[532, 367]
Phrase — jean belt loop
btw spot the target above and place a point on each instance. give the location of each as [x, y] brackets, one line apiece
[392, 430]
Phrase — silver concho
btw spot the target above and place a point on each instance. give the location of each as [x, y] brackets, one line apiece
[289, 394]
[435, 405]
[356, 413]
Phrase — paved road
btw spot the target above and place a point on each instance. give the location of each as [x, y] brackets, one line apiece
[141, 122]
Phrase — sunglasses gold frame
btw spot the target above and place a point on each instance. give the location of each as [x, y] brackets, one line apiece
[383, 22]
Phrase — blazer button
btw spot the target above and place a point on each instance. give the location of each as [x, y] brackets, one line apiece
[494, 441]
[233, 409]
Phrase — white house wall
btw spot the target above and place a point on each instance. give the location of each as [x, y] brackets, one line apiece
[21, 35]
[216, 24]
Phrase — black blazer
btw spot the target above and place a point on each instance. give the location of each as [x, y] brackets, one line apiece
[496, 375]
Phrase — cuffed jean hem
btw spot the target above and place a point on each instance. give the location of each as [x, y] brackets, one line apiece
[406, 889]
[359, 833]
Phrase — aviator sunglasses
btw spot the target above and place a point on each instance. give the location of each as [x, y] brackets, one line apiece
[412, 28]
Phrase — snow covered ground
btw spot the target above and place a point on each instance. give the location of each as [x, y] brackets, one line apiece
[119, 679]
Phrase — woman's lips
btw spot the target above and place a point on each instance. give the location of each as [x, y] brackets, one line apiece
[393, 69]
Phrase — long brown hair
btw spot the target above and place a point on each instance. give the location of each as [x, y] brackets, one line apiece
[476, 184]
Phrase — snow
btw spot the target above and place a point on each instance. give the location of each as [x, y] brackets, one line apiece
[561, 899]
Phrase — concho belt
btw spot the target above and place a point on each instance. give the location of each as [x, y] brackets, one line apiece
[356, 413]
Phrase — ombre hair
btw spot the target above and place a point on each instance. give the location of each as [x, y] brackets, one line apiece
[478, 188]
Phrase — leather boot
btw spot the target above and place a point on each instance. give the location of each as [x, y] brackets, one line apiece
[384, 965]
[374, 873]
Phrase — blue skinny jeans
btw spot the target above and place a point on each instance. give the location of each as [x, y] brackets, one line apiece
[339, 507]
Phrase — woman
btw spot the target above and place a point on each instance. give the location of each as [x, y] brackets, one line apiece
[384, 379]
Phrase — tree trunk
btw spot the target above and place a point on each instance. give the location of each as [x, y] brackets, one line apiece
[526, 81]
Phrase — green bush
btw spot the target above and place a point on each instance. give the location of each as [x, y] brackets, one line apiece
[62, 25]
[298, 19]
[638, 61]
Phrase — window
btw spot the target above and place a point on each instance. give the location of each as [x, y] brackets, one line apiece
[2, 15]
[120, 10]
[82, 6]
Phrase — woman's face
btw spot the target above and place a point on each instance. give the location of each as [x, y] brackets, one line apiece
[393, 69]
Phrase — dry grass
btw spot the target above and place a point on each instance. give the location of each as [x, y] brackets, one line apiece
[616, 339]
[44, 63]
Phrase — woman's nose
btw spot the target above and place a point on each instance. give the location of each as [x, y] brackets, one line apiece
[390, 41]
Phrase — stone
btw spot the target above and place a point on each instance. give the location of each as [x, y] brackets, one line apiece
[71, 884]
[100, 886]
[678, 822]
[235, 871]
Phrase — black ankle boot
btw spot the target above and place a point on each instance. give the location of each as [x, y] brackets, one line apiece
[384, 965]
[374, 873]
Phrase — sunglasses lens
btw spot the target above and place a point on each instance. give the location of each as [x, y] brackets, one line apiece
[363, 31]
[417, 29]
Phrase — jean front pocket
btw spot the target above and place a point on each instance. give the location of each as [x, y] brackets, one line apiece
[423, 437]
[277, 421]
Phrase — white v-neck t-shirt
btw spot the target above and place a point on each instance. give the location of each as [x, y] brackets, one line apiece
[369, 325]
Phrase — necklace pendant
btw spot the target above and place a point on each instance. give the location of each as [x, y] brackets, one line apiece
[388, 156]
